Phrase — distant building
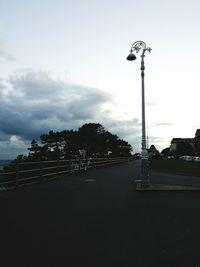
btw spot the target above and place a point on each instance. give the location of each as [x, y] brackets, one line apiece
[197, 134]
[176, 141]
[190, 141]
[197, 141]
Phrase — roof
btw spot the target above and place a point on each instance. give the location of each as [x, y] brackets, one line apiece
[184, 140]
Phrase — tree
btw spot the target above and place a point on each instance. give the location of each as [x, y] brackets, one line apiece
[20, 158]
[97, 141]
[166, 152]
[90, 140]
[53, 144]
[124, 148]
[35, 150]
[153, 152]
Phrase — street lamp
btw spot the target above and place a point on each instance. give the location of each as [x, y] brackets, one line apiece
[144, 181]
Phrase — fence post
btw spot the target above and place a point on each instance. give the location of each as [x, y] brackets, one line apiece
[17, 175]
[58, 167]
[41, 170]
[79, 165]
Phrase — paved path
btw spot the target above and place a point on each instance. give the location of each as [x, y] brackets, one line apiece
[97, 219]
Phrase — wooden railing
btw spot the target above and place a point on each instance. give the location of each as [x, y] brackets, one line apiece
[19, 174]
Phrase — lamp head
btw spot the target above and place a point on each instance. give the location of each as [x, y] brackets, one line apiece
[131, 57]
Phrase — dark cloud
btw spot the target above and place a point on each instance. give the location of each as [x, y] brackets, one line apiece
[33, 103]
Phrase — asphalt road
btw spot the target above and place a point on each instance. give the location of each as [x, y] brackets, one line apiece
[97, 219]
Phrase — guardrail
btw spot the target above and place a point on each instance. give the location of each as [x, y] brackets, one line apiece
[23, 173]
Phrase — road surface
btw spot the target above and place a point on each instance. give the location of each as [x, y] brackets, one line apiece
[97, 219]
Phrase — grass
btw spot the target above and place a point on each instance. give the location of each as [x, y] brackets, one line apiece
[176, 167]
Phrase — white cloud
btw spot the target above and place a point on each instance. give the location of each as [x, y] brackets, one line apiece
[4, 54]
[16, 141]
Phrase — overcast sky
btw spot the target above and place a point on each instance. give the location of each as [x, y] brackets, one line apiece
[63, 63]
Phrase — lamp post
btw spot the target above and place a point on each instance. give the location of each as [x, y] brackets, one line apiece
[137, 46]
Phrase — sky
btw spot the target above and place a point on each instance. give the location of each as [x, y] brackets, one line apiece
[63, 63]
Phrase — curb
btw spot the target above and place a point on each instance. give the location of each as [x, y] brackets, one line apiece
[165, 187]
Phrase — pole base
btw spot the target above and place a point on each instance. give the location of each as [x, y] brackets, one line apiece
[142, 183]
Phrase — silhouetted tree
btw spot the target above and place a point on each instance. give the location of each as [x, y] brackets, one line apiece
[20, 158]
[166, 152]
[90, 140]
[153, 152]
[35, 151]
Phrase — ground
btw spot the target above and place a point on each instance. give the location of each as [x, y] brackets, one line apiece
[97, 219]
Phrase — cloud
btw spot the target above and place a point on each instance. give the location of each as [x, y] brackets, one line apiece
[124, 128]
[33, 103]
[163, 124]
[8, 150]
[155, 139]
[151, 104]
[5, 55]
[16, 141]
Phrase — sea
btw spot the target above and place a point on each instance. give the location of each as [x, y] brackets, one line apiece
[4, 162]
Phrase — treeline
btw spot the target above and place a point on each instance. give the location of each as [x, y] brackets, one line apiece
[90, 140]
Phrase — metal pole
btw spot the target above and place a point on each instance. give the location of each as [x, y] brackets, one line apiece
[143, 105]
[144, 179]
[144, 160]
